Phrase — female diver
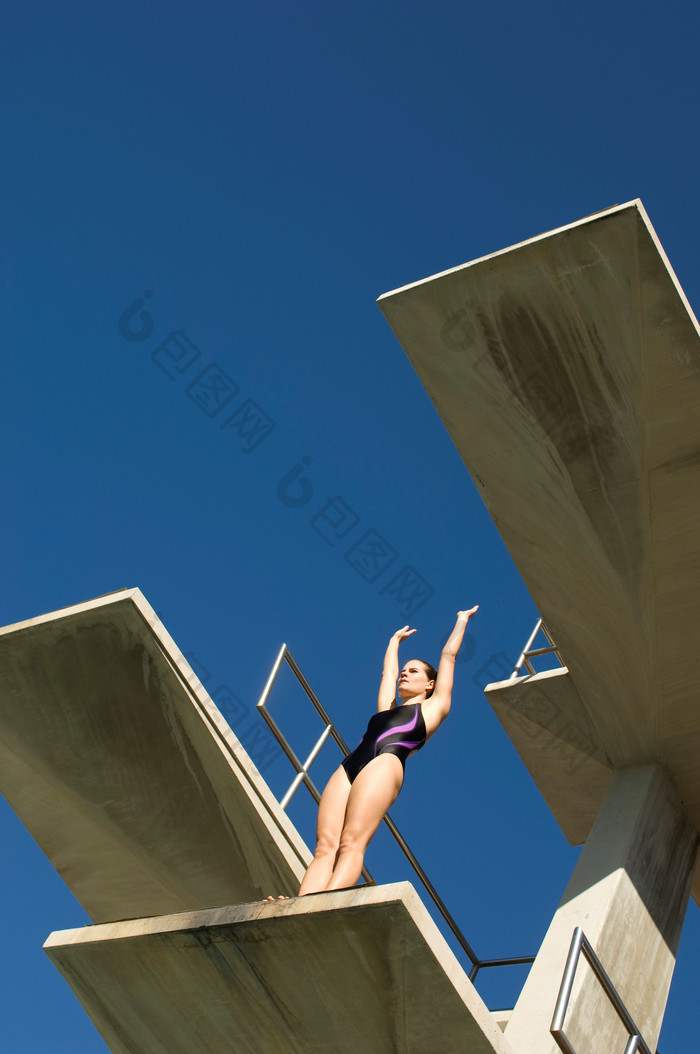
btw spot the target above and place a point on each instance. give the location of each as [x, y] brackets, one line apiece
[367, 783]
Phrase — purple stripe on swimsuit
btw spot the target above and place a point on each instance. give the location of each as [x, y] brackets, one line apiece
[399, 728]
[379, 738]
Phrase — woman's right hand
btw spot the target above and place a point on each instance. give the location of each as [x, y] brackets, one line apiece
[401, 634]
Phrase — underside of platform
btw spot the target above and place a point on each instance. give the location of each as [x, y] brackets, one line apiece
[362, 971]
[125, 772]
[549, 727]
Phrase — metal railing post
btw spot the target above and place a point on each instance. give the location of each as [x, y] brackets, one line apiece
[530, 640]
[273, 676]
[298, 779]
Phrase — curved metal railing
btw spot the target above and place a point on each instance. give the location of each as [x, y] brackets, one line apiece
[581, 944]
[529, 652]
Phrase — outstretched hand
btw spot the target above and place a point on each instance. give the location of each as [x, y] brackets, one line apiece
[466, 615]
[401, 634]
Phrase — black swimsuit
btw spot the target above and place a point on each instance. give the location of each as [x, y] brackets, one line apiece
[397, 731]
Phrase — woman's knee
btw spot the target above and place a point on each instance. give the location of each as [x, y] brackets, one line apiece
[353, 840]
[326, 846]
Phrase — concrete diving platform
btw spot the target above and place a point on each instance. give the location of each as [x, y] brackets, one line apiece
[125, 772]
[567, 372]
[362, 970]
[566, 369]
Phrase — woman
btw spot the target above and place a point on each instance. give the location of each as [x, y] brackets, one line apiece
[369, 780]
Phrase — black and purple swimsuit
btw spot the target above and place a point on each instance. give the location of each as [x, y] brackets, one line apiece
[398, 731]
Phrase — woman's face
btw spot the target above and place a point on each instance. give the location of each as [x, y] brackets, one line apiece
[413, 680]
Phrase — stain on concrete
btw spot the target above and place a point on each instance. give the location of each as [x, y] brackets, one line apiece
[558, 375]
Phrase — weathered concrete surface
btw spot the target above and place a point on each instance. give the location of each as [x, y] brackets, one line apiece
[359, 971]
[567, 372]
[629, 894]
[549, 726]
[125, 772]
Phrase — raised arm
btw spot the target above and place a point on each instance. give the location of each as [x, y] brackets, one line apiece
[438, 706]
[390, 672]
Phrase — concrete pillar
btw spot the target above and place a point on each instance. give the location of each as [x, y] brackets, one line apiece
[629, 893]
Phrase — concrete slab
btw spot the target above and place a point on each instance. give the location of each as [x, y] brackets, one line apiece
[361, 970]
[567, 372]
[549, 726]
[125, 772]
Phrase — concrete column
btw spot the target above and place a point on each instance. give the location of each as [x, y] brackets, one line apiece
[629, 893]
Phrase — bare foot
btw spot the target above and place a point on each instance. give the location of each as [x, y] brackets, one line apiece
[280, 897]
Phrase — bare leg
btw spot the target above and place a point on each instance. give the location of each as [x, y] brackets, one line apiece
[375, 789]
[331, 816]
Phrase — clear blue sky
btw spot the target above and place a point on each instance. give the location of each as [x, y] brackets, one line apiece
[266, 173]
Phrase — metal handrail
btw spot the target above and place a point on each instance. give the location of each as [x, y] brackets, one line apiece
[302, 776]
[528, 651]
[580, 943]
